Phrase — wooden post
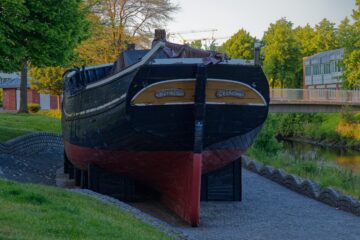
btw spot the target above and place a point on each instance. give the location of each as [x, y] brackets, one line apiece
[160, 34]
[84, 179]
[66, 164]
[77, 176]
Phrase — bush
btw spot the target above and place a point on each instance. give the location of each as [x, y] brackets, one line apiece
[349, 116]
[266, 141]
[50, 113]
[33, 107]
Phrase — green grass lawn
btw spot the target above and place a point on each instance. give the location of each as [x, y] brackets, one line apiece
[30, 211]
[13, 125]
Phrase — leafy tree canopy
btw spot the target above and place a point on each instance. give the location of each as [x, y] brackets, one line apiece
[351, 74]
[282, 54]
[325, 36]
[196, 44]
[98, 48]
[240, 45]
[305, 37]
[41, 32]
[11, 19]
[47, 80]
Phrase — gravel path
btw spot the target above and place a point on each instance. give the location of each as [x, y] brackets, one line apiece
[269, 211]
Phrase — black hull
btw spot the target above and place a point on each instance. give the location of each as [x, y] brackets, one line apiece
[164, 125]
[121, 126]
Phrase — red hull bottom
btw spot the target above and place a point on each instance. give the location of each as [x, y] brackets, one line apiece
[175, 174]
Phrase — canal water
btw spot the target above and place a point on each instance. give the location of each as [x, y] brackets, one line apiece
[324, 156]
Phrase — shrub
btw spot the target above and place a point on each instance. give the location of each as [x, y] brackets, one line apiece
[266, 140]
[33, 107]
[50, 113]
[348, 116]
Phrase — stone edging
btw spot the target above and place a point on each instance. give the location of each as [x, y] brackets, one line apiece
[308, 188]
[162, 226]
[31, 143]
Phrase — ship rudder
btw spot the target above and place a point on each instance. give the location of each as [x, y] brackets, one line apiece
[195, 189]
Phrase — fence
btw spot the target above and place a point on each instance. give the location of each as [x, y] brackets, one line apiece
[316, 96]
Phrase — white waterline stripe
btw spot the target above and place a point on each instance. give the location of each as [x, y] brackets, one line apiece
[96, 108]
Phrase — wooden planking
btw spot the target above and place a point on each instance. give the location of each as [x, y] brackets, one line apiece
[147, 95]
[251, 97]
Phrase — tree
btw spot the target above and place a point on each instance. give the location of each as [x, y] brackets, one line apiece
[97, 49]
[133, 18]
[48, 81]
[211, 46]
[196, 44]
[305, 37]
[282, 54]
[351, 73]
[345, 34]
[240, 45]
[1, 97]
[10, 14]
[325, 36]
[43, 33]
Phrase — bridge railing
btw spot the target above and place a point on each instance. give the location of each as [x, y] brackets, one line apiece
[320, 96]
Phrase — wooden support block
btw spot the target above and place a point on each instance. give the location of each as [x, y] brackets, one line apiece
[223, 184]
[77, 176]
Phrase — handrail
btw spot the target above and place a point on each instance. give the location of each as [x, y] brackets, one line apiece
[315, 96]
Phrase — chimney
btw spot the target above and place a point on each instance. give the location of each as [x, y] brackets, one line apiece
[130, 47]
[160, 35]
[257, 47]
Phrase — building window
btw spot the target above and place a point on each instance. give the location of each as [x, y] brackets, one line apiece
[326, 68]
[308, 70]
[332, 66]
[316, 69]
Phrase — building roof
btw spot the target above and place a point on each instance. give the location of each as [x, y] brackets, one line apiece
[326, 56]
[11, 80]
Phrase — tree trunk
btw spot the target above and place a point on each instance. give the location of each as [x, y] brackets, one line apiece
[58, 102]
[23, 87]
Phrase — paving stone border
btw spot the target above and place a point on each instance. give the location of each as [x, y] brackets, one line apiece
[157, 223]
[305, 187]
[32, 143]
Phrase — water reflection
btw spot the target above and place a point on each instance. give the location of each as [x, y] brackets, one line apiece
[347, 159]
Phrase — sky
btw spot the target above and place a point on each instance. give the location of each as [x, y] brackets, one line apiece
[255, 16]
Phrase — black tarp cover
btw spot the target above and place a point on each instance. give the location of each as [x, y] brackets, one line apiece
[171, 50]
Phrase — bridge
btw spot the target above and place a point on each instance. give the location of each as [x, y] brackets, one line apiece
[313, 100]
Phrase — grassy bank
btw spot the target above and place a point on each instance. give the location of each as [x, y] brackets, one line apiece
[318, 126]
[13, 125]
[39, 212]
[341, 129]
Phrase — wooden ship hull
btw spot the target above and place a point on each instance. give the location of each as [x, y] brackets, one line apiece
[163, 124]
